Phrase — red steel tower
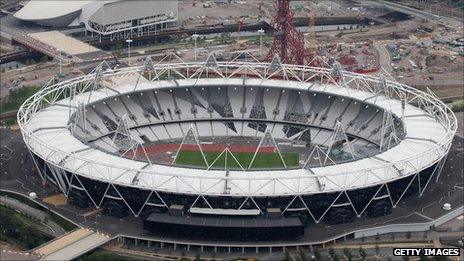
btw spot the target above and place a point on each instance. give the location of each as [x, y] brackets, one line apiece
[288, 42]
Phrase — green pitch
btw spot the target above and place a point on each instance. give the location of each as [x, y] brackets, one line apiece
[262, 160]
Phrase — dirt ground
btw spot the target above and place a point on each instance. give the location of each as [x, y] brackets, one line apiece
[57, 200]
[34, 75]
[190, 14]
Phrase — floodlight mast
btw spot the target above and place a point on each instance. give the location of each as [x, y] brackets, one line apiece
[129, 41]
[195, 37]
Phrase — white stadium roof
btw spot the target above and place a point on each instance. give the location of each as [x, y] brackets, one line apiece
[40, 10]
[424, 137]
[63, 13]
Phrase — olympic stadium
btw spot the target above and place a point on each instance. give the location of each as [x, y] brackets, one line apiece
[236, 149]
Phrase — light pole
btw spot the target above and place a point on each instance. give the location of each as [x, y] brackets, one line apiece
[60, 51]
[260, 31]
[195, 36]
[128, 41]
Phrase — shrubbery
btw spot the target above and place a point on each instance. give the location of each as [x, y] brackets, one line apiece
[457, 105]
[15, 229]
[18, 97]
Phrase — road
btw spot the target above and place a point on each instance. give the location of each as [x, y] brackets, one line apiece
[384, 58]
[416, 12]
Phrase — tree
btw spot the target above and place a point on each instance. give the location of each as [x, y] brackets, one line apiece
[347, 253]
[408, 235]
[44, 59]
[303, 256]
[331, 252]
[318, 255]
[287, 256]
[362, 253]
[182, 257]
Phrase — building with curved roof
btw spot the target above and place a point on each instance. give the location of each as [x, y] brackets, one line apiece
[111, 17]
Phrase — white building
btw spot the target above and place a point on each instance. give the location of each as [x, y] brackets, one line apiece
[117, 18]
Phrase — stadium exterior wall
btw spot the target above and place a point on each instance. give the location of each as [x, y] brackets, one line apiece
[331, 208]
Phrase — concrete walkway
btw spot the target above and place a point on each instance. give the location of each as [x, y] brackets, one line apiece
[71, 245]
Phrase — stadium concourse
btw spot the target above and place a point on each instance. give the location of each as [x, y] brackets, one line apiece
[258, 151]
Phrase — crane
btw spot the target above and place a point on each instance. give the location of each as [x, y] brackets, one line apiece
[238, 44]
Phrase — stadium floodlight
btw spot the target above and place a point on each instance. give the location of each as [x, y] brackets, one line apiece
[195, 37]
[388, 135]
[60, 52]
[339, 139]
[129, 41]
[261, 32]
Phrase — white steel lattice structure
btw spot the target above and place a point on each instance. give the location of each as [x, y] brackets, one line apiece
[417, 156]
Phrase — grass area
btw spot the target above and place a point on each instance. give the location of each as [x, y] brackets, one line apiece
[457, 105]
[65, 224]
[100, 254]
[262, 160]
[17, 98]
[16, 228]
[10, 122]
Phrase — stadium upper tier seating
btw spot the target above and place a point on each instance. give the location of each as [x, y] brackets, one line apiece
[166, 114]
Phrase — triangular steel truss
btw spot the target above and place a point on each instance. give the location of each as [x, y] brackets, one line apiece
[228, 157]
[210, 64]
[191, 138]
[339, 139]
[148, 67]
[211, 61]
[336, 72]
[388, 135]
[275, 67]
[122, 138]
[79, 120]
[320, 156]
[383, 87]
[67, 183]
[137, 152]
[319, 61]
[267, 141]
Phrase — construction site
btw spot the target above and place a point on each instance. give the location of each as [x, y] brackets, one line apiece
[364, 37]
[411, 47]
